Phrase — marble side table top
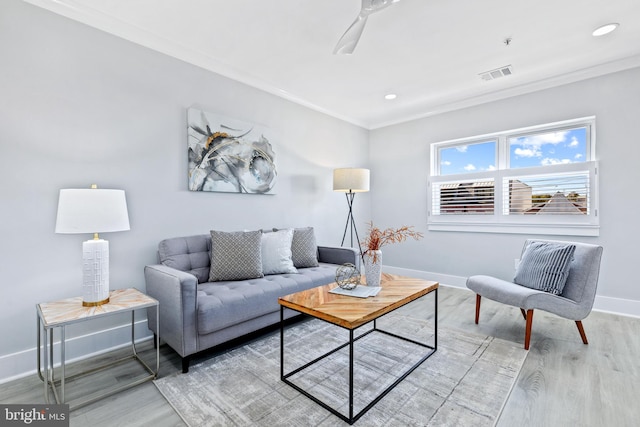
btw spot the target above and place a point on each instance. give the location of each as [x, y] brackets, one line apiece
[70, 310]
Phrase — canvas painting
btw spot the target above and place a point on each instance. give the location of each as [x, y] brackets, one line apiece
[229, 155]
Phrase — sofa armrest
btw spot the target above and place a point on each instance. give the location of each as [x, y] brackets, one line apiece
[176, 292]
[339, 255]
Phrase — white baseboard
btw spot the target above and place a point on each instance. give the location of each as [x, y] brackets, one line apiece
[623, 307]
[443, 279]
[24, 363]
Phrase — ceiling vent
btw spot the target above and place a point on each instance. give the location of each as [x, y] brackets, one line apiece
[507, 70]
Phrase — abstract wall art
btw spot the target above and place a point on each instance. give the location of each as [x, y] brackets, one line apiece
[229, 155]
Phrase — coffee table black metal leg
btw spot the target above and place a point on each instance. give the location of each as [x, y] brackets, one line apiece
[435, 321]
[351, 376]
[281, 342]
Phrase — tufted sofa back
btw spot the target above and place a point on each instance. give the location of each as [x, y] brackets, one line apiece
[191, 254]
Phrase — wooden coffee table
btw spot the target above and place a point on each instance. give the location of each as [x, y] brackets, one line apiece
[351, 313]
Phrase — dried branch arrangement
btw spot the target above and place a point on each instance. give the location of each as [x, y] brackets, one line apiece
[377, 238]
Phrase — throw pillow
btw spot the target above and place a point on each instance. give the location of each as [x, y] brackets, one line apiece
[235, 255]
[303, 248]
[276, 252]
[545, 266]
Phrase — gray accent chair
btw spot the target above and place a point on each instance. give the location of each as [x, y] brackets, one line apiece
[574, 303]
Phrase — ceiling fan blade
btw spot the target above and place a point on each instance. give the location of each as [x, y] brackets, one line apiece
[349, 39]
[371, 6]
[347, 43]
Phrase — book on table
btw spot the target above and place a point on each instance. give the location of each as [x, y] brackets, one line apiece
[359, 291]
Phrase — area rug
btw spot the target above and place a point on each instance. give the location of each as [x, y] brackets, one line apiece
[464, 383]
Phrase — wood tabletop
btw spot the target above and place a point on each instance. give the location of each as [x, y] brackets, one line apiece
[351, 312]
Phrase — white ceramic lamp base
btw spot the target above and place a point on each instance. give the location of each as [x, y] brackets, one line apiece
[95, 272]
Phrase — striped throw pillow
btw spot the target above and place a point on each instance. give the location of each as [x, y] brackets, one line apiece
[545, 266]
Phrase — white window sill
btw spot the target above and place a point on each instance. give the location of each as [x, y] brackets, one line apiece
[546, 229]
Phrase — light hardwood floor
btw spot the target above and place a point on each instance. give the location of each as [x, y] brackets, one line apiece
[562, 383]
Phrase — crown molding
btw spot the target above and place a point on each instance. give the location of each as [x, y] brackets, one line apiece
[432, 109]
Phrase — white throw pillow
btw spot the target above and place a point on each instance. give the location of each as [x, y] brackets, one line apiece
[276, 252]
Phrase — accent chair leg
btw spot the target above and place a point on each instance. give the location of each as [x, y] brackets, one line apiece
[185, 364]
[478, 297]
[581, 330]
[527, 334]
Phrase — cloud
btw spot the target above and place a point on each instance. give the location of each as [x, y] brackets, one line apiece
[577, 156]
[469, 167]
[462, 148]
[536, 141]
[548, 161]
[445, 163]
[528, 152]
[574, 142]
[491, 167]
[531, 146]
[549, 138]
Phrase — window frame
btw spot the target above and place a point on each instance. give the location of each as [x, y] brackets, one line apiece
[499, 222]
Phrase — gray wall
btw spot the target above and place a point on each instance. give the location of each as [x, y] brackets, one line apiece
[400, 159]
[78, 106]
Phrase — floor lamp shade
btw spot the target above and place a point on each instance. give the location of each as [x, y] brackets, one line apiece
[351, 180]
[93, 211]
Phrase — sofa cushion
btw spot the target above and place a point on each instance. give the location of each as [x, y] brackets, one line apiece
[235, 255]
[276, 252]
[226, 303]
[189, 254]
[545, 266]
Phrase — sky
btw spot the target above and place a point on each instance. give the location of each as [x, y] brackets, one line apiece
[561, 147]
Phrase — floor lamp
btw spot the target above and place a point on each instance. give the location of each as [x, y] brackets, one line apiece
[351, 181]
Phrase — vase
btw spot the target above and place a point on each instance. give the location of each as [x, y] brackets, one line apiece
[373, 267]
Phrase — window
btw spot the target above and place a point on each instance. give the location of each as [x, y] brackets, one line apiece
[541, 179]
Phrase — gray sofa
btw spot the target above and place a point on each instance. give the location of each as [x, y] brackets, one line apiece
[196, 314]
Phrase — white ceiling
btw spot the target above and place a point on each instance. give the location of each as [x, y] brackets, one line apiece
[429, 52]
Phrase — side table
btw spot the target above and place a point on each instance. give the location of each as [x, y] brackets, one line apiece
[59, 314]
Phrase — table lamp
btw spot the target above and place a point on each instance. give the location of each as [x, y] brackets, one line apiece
[93, 210]
[351, 181]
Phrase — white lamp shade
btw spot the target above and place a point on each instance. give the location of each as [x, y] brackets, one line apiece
[352, 180]
[91, 211]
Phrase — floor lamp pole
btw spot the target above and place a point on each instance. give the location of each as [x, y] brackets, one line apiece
[350, 221]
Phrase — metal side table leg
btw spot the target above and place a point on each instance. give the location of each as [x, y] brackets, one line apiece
[62, 361]
[158, 346]
[45, 351]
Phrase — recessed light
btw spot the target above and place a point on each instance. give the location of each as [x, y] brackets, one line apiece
[605, 29]
[390, 96]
